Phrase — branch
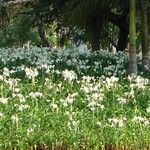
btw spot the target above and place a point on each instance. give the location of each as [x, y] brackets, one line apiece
[12, 2]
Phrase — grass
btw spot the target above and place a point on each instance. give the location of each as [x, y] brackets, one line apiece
[71, 100]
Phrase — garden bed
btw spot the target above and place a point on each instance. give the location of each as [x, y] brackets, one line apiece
[81, 99]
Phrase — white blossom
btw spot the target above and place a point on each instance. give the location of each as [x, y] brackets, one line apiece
[69, 75]
[4, 100]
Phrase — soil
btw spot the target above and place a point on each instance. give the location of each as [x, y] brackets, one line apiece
[105, 147]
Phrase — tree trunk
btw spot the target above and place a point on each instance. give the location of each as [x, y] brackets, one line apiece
[132, 40]
[121, 21]
[145, 51]
[95, 26]
[123, 39]
[95, 43]
[42, 35]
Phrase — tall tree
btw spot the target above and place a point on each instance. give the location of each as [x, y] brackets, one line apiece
[145, 51]
[94, 13]
[89, 16]
[121, 21]
[132, 39]
[95, 25]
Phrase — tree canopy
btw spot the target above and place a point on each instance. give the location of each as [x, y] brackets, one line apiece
[101, 24]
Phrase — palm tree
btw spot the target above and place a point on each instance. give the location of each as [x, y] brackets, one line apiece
[91, 15]
[132, 40]
[145, 51]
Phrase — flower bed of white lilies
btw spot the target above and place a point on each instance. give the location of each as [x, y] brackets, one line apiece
[73, 99]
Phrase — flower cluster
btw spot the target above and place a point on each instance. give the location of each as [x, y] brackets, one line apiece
[78, 95]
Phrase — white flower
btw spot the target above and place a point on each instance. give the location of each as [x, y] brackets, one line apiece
[1, 114]
[111, 81]
[30, 130]
[57, 71]
[148, 110]
[92, 104]
[98, 123]
[130, 78]
[31, 73]
[12, 83]
[15, 118]
[95, 96]
[69, 75]
[54, 106]
[86, 89]
[146, 122]
[35, 94]
[139, 82]
[140, 119]
[74, 94]
[17, 90]
[72, 124]
[64, 102]
[117, 122]
[71, 98]
[38, 94]
[75, 123]
[87, 79]
[101, 107]
[4, 100]
[6, 72]
[23, 107]
[122, 100]
[1, 77]
[120, 123]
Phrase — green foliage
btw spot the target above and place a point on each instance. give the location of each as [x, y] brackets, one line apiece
[47, 101]
[72, 17]
[18, 33]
